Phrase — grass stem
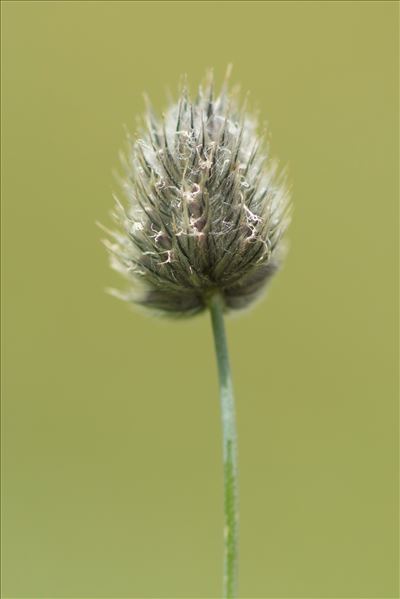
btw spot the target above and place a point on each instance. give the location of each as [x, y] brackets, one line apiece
[231, 495]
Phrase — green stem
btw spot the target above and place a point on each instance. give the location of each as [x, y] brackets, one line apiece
[231, 496]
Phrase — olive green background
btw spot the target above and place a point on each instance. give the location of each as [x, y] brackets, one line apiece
[111, 448]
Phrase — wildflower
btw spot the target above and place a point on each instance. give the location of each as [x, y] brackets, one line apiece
[203, 226]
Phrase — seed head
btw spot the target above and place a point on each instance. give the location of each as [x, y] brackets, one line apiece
[206, 208]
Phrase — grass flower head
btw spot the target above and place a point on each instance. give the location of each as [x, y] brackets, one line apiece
[206, 207]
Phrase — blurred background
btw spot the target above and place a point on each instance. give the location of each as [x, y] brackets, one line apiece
[112, 477]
